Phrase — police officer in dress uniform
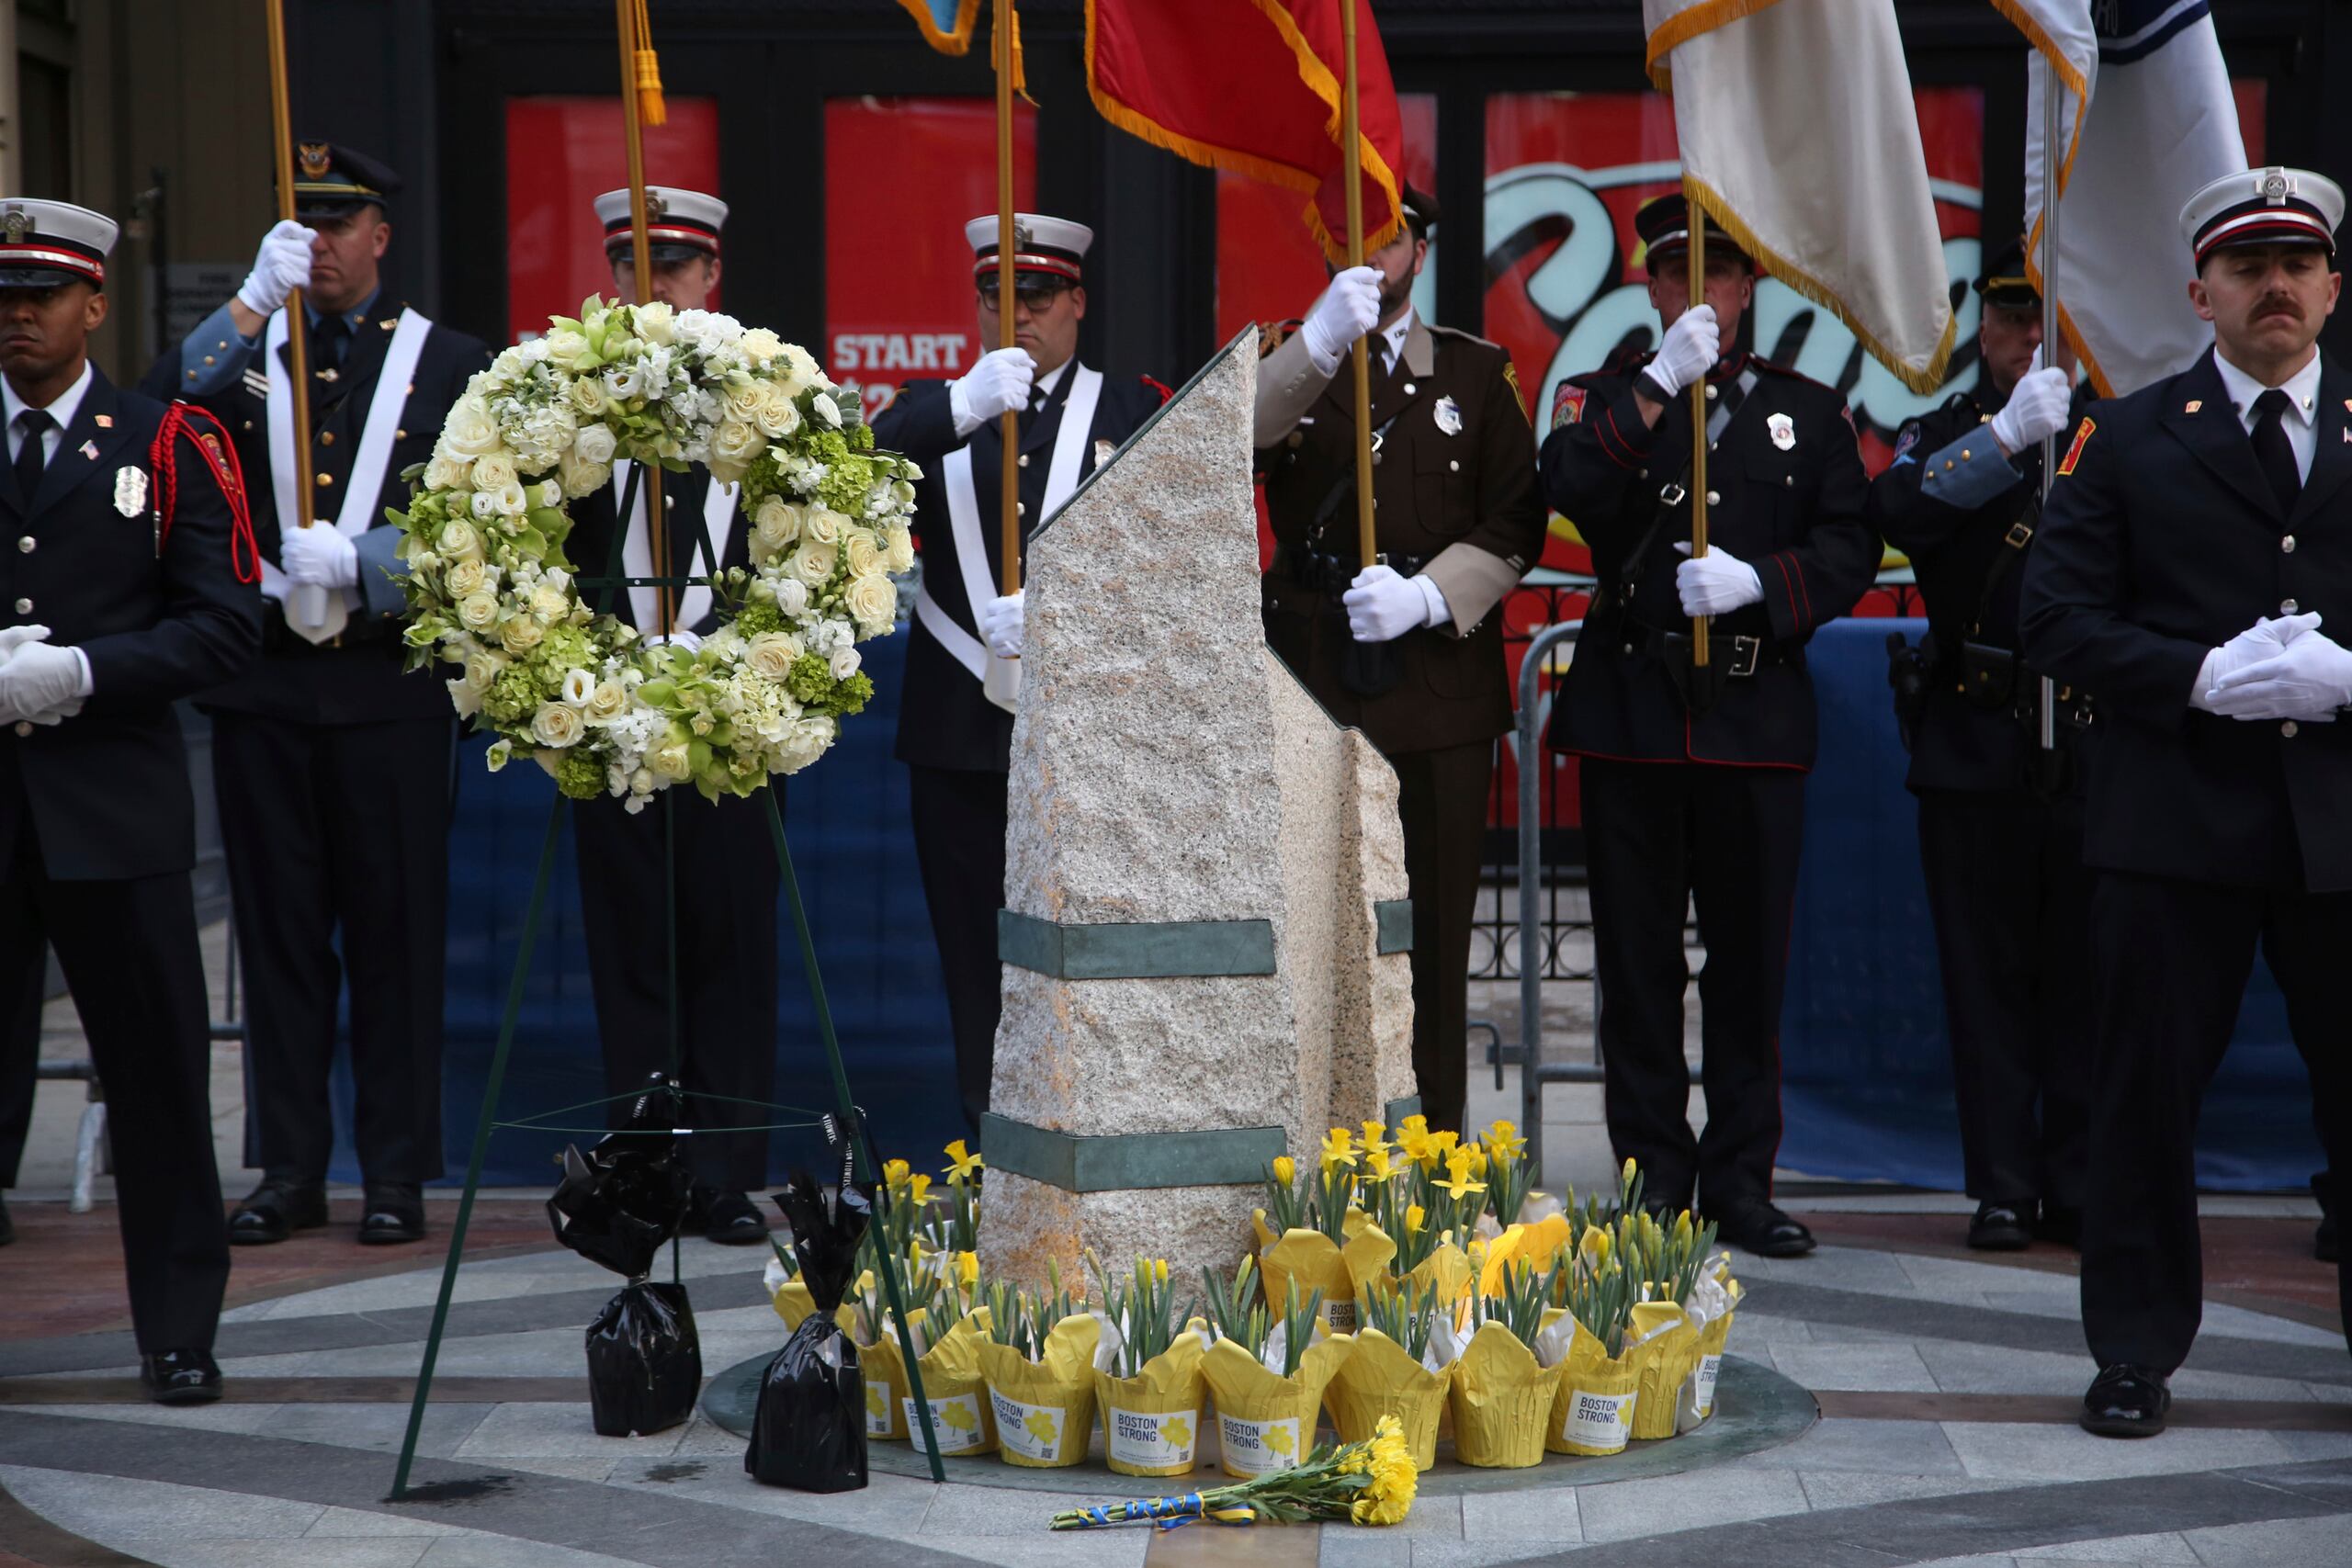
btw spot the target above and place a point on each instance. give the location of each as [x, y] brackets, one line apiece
[1693, 778]
[1457, 524]
[955, 741]
[2000, 819]
[332, 768]
[2194, 570]
[120, 595]
[726, 867]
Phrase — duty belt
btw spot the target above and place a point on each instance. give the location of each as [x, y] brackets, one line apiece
[1745, 654]
[1322, 570]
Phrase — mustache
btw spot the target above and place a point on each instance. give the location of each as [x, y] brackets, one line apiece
[2280, 305]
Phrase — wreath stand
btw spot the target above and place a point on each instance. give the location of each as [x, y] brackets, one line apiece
[847, 1119]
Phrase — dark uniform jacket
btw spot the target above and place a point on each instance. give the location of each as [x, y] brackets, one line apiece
[2162, 541]
[1950, 500]
[1788, 496]
[1453, 491]
[589, 547]
[357, 678]
[944, 719]
[107, 792]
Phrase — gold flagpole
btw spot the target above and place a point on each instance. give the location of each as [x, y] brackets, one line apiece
[1698, 254]
[1010, 494]
[1351, 171]
[632, 41]
[2052, 126]
[296, 319]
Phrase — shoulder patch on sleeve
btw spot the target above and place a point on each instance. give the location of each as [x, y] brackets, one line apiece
[2074, 452]
[1567, 404]
[1510, 375]
[1906, 439]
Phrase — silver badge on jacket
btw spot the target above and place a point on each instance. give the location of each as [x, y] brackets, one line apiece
[1449, 416]
[131, 491]
[1783, 431]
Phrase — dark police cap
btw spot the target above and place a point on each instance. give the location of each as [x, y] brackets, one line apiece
[2005, 285]
[1420, 211]
[1664, 225]
[331, 180]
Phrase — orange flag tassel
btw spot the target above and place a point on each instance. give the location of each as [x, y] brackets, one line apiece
[650, 107]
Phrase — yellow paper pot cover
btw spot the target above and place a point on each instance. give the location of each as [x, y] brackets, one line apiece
[1317, 1263]
[957, 1392]
[1151, 1422]
[1696, 1402]
[1379, 1379]
[792, 1302]
[886, 1385]
[1266, 1421]
[1664, 1360]
[1593, 1412]
[1446, 1270]
[1044, 1409]
[1502, 1398]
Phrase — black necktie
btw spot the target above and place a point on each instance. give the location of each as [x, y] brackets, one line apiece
[34, 423]
[2272, 449]
[327, 342]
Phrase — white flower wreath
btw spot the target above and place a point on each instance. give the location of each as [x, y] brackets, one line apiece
[601, 708]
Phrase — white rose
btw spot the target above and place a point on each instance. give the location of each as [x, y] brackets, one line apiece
[864, 559]
[464, 578]
[845, 663]
[550, 605]
[625, 381]
[792, 598]
[825, 525]
[735, 443]
[902, 552]
[483, 504]
[873, 600]
[655, 322]
[459, 541]
[509, 501]
[567, 348]
[594, 443]
[759, 345]
[469, 432]
[546, 494]
[494, 470]
[583, 477]
[671, 759]
[608, 700]
[743, 402]
[776, 524]
[813, 562]
[770, 655]
[777, 415]
[477, 612]
[521, 635]
[464, 698]
[641, 783]
[826, 411]
[482, 666]
[556, 725]
[587, 396]
[445, 472]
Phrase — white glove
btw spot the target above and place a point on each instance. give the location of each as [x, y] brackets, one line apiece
[1348, 309]
[2309, 679]
[1383, 606]
[42, 683]
[1689, 350]
[2261, 641]
[280, 266]
[14, 637]
[2037, 407]
[997, 384]
[1716, 583]
[1002, 624]
[319, 554]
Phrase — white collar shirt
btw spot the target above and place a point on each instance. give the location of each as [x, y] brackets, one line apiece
[2302, 420]
[60, 412]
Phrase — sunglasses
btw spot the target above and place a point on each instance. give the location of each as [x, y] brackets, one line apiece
[1028, 289]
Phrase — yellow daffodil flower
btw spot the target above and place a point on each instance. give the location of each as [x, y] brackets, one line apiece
[1415, 1217]
[1286, 1170]
[1379, 1165]
[1503, 1140]
[963, 1166]
[1457, 1184]
[1339, 1149]
[968, 1269]
[894, 1172]
[1159, 1271]
[919, 1188]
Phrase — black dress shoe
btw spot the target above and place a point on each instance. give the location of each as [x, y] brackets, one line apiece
[2125, 1401]
[181, 1377]
[2002, 1227]
[1766, 1231]
[391, 1212]
[2060, 1225]
[728, 1219]
[276, 1210]
[2325, 1246]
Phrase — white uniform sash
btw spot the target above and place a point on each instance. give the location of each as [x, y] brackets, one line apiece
[718, 510]
[972, 554]
[363, 491]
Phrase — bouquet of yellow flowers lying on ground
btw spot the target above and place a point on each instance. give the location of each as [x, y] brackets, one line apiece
[1370, 1482]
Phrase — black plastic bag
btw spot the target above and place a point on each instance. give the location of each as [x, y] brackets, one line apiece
[809, 1431]
[619, 1202]
[644, 1361]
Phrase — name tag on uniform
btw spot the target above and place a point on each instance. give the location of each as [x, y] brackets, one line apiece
[1783, 431]
[1449, 416]
[130, 490]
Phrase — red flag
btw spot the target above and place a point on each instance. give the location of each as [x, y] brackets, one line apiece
[1254, 85]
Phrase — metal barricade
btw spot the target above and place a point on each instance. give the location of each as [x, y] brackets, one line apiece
[1534, 1072]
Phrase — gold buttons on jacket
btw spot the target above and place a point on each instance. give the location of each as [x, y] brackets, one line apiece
[326, 479]
[2288, 730]
[1710, 391]
[24, 606]
[326, 437]
[24, 727]
[1715, 498]
[1023, 461]
[2286, 606]
[28, 545]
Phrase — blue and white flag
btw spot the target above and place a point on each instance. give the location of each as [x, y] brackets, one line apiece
[2159, 124]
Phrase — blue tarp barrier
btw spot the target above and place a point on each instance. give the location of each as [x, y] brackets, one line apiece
[1865, 1058]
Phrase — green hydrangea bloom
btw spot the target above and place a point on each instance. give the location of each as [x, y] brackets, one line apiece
[810, 680]
[851, 696]
[513, 696]
[579, 775]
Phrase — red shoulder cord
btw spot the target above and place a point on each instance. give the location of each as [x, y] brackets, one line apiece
[1159, 387]
[180, 420]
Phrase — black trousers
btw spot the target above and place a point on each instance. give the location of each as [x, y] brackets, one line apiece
[130, 953]
[1659, 836]
[328, 828]
[21, 1005]
[2171, 960]
[726, 881]
[1441, 805]
[958, 821]
[2012, 901]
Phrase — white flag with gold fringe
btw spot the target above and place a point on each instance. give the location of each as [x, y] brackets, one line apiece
[1799, 137]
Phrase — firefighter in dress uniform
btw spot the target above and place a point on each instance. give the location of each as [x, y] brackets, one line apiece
[332, 768]
[1408, 648]
[955, 741]
[725, 866]
[1693, 776]
[2194, 570]
[122, 593]
[2000, 818]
